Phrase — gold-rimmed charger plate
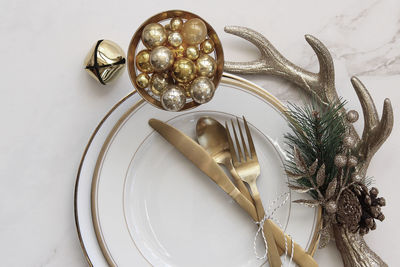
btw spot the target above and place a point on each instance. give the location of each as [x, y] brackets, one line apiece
[231, 82]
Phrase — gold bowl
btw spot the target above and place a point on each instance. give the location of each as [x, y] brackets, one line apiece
[133, 50]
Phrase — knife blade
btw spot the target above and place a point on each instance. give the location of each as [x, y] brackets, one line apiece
[200, 157]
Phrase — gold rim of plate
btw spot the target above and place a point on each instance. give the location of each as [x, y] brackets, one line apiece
[211, 33]
[228, 79]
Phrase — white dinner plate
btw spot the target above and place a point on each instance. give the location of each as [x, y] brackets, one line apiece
[152, 207]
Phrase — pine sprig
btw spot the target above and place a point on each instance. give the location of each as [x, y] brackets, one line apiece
[318, 134]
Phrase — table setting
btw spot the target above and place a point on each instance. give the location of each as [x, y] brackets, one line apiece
[202, 162]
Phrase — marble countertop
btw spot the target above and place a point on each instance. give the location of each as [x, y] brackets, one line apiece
[49, 105]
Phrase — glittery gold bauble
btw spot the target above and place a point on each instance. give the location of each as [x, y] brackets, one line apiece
[207, 46]
[192, 52]
[202, 90]
[161, 58]
[173, 99]
[352, 116]
[154, 35]
[206, 66]
[352, 161]
[175, 39]
[158, 83]
[176, 24]
[194, 31]
[184, 70]
[142, 80]
[105, 61]
[143, 61]
[340, 161]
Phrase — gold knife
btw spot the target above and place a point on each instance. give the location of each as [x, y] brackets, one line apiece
[199, 157]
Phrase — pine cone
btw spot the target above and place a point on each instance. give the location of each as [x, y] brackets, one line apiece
[349, 210]
[371, 207]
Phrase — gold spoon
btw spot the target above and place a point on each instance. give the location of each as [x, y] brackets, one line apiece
[211, 135]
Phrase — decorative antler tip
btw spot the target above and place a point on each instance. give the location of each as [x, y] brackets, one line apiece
[387, 102]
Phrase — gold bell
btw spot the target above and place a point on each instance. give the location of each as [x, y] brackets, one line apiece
[105, 61]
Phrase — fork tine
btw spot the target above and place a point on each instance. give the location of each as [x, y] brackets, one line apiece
[246, 152]
[250, 139]
[231, 146]
[237, 143]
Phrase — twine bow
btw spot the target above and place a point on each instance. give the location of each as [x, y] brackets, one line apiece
[269, 215]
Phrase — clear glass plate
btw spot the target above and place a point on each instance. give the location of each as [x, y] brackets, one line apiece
[151, 206]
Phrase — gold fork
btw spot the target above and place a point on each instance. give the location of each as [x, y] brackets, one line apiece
[248, 169]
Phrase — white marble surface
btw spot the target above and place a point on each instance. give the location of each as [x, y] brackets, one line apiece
[49, 105]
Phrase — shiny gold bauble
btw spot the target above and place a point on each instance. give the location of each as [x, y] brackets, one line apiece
[175, 39]
[159, 83]
[178, 51]
[173, 99]
[105, 61]
[154, 35]
[202, 90]
[206, 66]
[192, 52]
[207, 46]
[184, 70]
[143, 61]
[176, 24]
[194, 31]
[161, 58]
[142, 80]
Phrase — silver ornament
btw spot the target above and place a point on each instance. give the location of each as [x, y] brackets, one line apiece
[352, 116]
[206, 66]
[175, 39]
[158, 83]
[202, 90]
[153, 35]
[161, 58]
[173, 99]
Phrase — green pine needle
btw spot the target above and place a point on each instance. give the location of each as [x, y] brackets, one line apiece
[318, 133]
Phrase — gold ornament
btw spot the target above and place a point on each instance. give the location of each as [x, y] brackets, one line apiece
[192, 52]
[202, 90]
[142, 80]
[194, 31]
[184, 70]
[173, 99]
[352, 116]
[207, 46]
[176, 24]
[175, 39]
[105, 61]
[179, 51]
[161, 58]
[158, 83]
[154, 35]
[206, 66]
[143, 61]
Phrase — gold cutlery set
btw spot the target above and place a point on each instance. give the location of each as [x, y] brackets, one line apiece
[216, 146]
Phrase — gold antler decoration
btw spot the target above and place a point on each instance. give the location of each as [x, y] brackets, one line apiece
[321, 85]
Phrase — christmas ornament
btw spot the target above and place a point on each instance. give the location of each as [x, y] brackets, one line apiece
[181, 47]
[206, 66]
[158, 83]
[202, 90]
[173, 99]
[153, 35]
[161, 58]
[329, 160]
[105, 62]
